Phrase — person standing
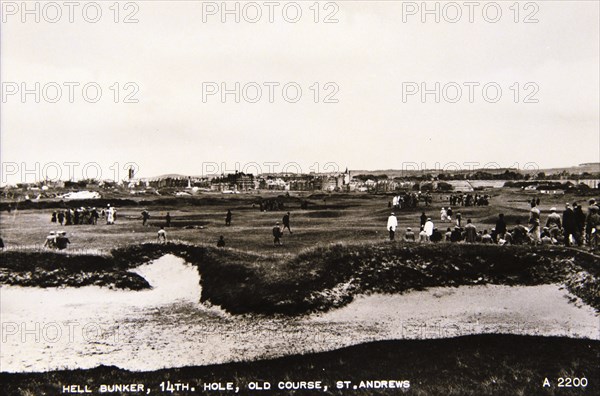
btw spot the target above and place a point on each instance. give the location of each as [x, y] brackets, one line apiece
[534, 222]
[162, 235]
[553, 220]
[423, 220]
[470, 232]
[68, 217]
[579, 220]
[228, 218]
[61, 217]
[221, 242]
[277, 234]
[145, 217]
[592, 221]
[286, 222]
[443, 215]
[110, 215]
[570, 226]
[500, 226]
[392, 223]
[53, 219]
[168, 219]
[428, 228]
[458, 219]
[449, 214]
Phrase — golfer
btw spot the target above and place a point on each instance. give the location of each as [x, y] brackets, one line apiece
[392, 223]
[162, 235]
[277, 234]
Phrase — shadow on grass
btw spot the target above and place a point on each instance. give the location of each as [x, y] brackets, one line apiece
[471, 365]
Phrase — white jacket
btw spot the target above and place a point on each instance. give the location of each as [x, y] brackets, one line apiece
[392, 223]
[428, 228]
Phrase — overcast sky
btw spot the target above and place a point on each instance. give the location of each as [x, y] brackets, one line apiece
[368, 54]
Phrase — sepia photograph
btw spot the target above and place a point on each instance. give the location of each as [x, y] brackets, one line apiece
[310, 197]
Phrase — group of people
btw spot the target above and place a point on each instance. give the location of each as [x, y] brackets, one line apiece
[469, 199]
[83, 215]
[273, 204]
[78, 216]
[446, 216]
[410, 200]
[278, 229]
[573, 227]
[57, 240]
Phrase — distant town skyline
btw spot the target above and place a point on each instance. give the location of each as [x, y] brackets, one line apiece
[371, 58]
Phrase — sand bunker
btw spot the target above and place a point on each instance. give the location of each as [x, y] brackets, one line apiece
[67, 328]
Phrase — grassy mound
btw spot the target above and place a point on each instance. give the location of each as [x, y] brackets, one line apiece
[324, 277]
[470, 365]
[52, 269]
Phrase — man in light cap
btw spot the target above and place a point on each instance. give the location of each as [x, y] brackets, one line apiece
[553, 220]
[50, 241]
[392, 223]
[470, 232]
[554, 224]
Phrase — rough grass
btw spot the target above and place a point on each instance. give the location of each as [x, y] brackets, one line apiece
[477, 365]
[55, 269]
[320, 278]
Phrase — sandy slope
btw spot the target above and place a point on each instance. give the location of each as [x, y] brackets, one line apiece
[166, 327]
